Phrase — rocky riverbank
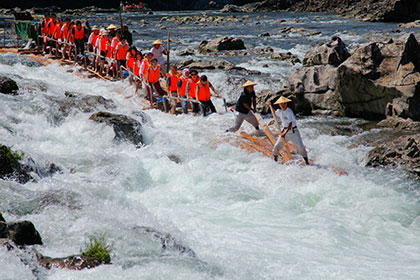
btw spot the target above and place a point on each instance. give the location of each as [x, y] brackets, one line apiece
[368, 10]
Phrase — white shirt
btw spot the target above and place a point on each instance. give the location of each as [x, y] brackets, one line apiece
[286, 117]
[158, 54]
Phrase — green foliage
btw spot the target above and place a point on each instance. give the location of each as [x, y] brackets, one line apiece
[6, 152]
[97, 248]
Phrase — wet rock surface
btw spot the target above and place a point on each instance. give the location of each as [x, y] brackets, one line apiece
[86, 103]
[377, 80]
[402, 151]
[221, 44]
[8, 86]
[213, 65]
[125, 128]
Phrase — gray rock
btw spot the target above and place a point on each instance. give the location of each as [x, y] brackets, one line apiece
[24, 233]
[8, 86]
[333, 52]
[125, 128]
[402, 151]
[221, 44]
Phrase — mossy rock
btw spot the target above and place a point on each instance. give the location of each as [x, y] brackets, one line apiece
[10, 165]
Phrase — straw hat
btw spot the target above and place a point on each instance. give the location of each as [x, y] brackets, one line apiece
[104, 32]
[282, 100]
[248, 83]
[95, 27]
[157, 42]
[111, 26]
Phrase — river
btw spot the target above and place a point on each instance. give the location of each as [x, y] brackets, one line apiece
[244, 216]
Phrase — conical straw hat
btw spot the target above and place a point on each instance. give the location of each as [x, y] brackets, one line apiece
[111, 26]
[282, 100]
[95, 27]
[249, 83]
[157, 42]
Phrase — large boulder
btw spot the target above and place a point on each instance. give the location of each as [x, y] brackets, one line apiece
[221, 44]
[333, 52]
[379, 79]
[125, 128]
[8, 86]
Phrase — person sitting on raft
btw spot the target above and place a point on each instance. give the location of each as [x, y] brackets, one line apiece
[243, 107]
[203, 95]
[289, 129]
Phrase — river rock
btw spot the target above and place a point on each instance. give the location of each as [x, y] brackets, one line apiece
[404, 151]
[86, 104]
[76, 262]
[213, 65]
[333, 52]
[286, 56]
[185, 52]
[10, 166]
[8, 86]
[221, 44]
[24, 233]
[231, 9]
[379, 79]
[125, 128]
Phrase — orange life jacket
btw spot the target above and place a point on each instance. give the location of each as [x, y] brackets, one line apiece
[57, 34]
[183, 86]
[94, 39]
[154, 74]
[121, 51]
[103, 44]
[44, 25]
[52, 26]
[174, 81]
[203, 91]
[79, 33]
[114, 43]
[146, 66]
[130, 60]
[137, 67]
[109, 49]
[65, 32]
[193, 87]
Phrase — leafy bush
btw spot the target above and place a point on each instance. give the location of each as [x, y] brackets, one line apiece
[97, 248]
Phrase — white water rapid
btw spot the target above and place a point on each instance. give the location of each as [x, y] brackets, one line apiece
[244, 216]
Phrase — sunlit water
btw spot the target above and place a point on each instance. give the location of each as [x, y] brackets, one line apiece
[244, 216]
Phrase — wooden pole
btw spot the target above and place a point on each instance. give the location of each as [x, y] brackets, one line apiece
[167, 55]
[278, 127]
[121, 23]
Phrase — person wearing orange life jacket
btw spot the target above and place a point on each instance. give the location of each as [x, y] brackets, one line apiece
[120, 55]
[137, 65]
[152, 80]
[131, 58]
[147, 60]
[203, 95]
[44, 24]
[65, 30]
[78, 33]
[49, 30]
[191, 91]
[101, 47]
[172, 87]
[93, 37]
[44, 30]
[182, 87]
[57, 36]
